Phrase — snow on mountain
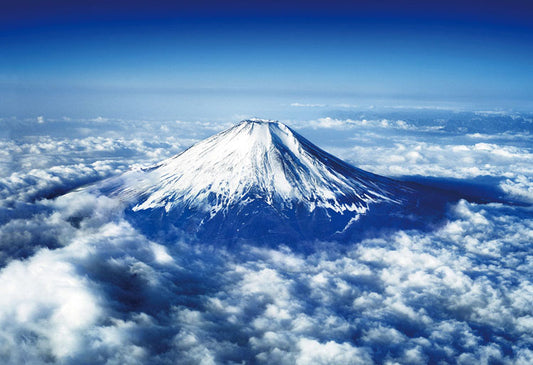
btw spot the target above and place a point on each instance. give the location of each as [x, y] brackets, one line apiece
[255, 159]
[256, 178]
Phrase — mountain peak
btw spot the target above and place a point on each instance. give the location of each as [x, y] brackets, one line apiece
[255, 159]
[259, 131]
[254, 167]
[260, 121]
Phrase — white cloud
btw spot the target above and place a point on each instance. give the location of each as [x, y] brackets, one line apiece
[84, 286]
[461, 161]
[45, 298]
[308, 105]
[313, 352]
[410, 297]
[343, 124]
[521, 188]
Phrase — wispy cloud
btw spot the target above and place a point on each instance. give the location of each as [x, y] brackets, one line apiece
[334, 123]
[307, 105]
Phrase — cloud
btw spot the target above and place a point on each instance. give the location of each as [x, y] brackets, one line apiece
[462, 161]
[520, 188]
[307, 105]
[45, 304]
[335, 123]
[82, 285]
[40, 183]
[313, 352]
[107, 292]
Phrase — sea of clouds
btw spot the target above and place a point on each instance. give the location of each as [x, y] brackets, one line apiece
[79, 284]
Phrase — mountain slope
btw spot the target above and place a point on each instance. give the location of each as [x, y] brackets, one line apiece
[256, 180]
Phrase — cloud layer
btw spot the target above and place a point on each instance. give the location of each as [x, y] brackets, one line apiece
[460, 293]
[80, 285]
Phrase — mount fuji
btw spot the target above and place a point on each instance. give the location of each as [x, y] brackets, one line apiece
[262, 181]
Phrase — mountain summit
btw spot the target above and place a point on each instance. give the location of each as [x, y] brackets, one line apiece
[256, 180]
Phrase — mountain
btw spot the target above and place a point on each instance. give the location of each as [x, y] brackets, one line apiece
[261, 181]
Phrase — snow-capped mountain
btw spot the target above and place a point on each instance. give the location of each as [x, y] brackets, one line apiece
[258, 179]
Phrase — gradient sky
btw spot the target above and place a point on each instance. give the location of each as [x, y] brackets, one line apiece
[164, 59]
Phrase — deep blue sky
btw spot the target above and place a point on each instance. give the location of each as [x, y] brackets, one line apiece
[165, 59]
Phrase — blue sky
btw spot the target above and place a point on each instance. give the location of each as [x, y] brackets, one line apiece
[171, 60]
